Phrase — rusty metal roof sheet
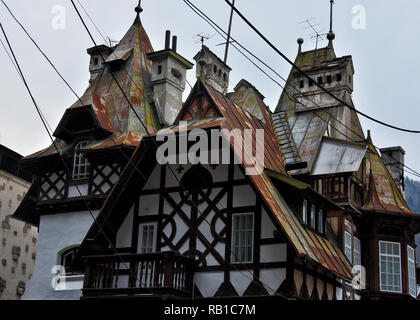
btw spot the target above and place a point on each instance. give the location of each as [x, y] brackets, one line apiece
[338, 156]
[250, 99]
[109, 105]
[384, 195]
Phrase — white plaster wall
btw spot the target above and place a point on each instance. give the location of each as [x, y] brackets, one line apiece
[56, 232]
[125, 231]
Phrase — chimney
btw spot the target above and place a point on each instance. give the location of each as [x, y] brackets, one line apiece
[168, 78]
[96, 63]
[212, 70]
[394, 160]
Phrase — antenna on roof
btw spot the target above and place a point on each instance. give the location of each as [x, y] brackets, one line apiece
[203, 38]
[316, 35]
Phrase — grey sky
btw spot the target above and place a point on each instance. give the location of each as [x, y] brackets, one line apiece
[385, 56]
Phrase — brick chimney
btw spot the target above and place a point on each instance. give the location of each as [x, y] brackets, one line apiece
[212, 70]
[394, 160]
[168, 79]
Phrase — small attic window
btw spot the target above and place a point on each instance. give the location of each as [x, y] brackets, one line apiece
[339, 77]
[220, 72]
[311, 83]
[159, 70]
[224, 76]
[215, 69]
[329, 79]
[301, 84]
[96, 61]
[320, 80]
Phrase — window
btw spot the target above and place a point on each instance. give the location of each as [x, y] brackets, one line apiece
[320, 80]
[311, 83]
[242, 238]
[305, 211]
[81, 165]
[67, 258]
[390, 266]
[148, 238]
[339, 77]
[301, 84]
[329, 79]
[313, 221]
[357, 252]
[412, 272]
[215, 68]
[159, 69]
[348, 248]
[96, 61]
[321, 221]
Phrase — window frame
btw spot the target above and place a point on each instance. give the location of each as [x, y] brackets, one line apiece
[321, 221]
[413, 262]
[141, 234]
[234, 256]
[77, 164]
[380, 265]
[65, 252]
[357, 253]
[305, 211]
[346, 246]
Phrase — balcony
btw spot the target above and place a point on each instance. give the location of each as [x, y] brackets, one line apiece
[167, 273]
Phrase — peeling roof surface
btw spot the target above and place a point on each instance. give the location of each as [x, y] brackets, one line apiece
[110, 107]
[385, 196]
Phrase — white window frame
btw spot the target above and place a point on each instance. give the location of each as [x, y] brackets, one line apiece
[357, 252]
[305, 211]
[141, 233]
[412, 282]
[389, 256]
[81, 165]
[348, 247]
[235, 258]
[321, 221]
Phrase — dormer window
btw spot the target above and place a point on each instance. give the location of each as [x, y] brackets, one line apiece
[81, 165]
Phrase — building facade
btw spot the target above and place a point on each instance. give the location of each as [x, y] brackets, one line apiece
[314, 214]
[18, 239]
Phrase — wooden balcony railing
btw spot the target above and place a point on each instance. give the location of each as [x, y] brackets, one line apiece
[166, 273]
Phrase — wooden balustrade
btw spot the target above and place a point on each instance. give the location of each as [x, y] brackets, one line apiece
[154, 273]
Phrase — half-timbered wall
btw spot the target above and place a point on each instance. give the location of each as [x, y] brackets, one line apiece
[199, 225]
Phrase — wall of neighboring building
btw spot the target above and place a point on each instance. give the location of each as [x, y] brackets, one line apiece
[18, 240]
[57, 232]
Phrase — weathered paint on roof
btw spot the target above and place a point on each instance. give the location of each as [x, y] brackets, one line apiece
[109, 105]
[384, 195]
[337, 156]
[250, 99]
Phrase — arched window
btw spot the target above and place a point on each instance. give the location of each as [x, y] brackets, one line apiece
[81, 165]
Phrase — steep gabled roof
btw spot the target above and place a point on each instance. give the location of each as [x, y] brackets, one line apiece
[384, 195]
[108, 104]
[305, 242]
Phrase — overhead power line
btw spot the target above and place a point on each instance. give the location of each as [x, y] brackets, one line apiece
[309, 78]
[220, 31]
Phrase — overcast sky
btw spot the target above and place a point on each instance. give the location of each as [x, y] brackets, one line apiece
[385, 55]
